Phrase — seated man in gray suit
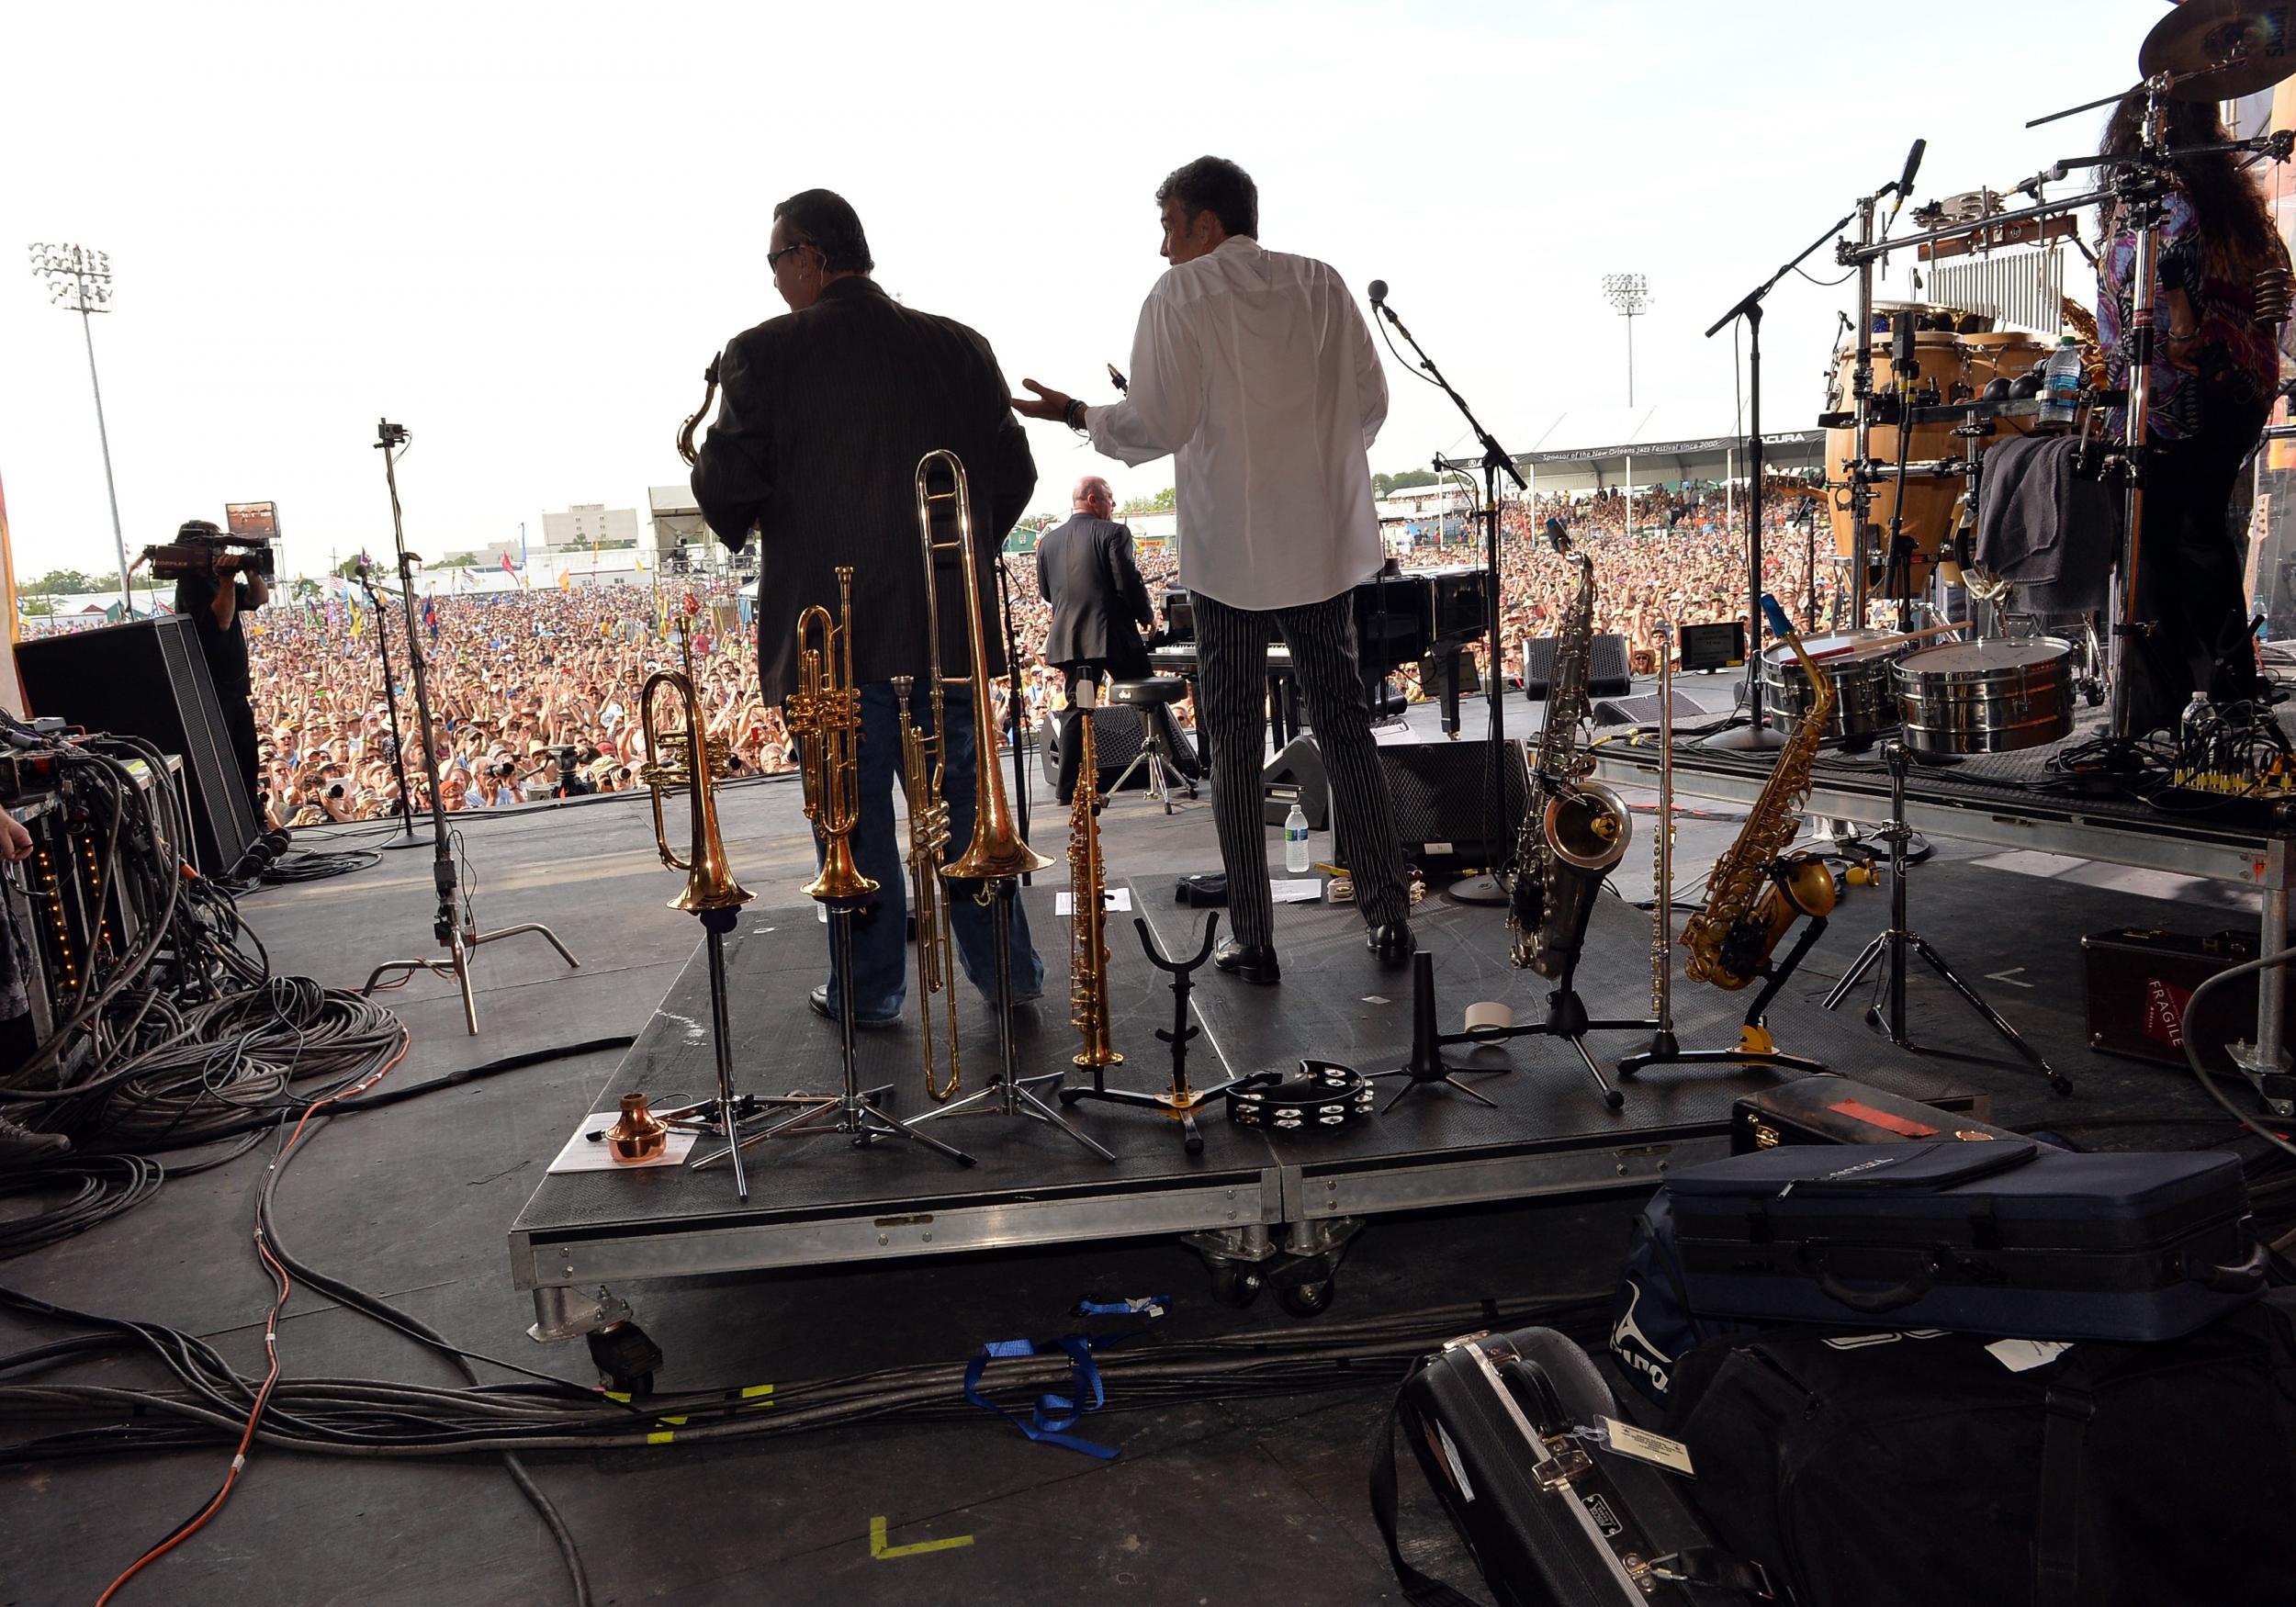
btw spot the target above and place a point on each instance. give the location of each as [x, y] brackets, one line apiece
[1100, 605]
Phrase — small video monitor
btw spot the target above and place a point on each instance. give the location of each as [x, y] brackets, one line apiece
[1708, 648]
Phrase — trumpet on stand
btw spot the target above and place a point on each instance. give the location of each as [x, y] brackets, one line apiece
[825, 717]
[997, 856]
[682, 758]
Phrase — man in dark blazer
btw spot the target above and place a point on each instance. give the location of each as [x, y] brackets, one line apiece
[823, 415]
[1085, 573]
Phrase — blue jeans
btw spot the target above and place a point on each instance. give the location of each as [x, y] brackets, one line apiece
[881, 850]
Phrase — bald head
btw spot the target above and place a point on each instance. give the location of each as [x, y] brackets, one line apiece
[1092, 496]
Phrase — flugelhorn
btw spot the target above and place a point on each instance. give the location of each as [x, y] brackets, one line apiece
[693, 419]
[997, 851]
[825, 717]
[686, 757]
[924, 767]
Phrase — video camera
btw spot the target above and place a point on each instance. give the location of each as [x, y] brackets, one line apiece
[572, 782]
[198, 549]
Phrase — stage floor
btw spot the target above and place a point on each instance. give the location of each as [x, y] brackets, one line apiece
[817, 1200]
[412, 1201]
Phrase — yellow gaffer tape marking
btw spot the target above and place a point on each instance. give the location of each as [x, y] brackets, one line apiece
[661, 1438]
[879, 1550]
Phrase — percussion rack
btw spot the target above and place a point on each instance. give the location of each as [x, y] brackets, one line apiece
[2141, 186]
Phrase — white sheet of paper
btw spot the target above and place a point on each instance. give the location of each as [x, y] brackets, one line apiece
[581, 1156]
[1117, 900]
[1300, 890]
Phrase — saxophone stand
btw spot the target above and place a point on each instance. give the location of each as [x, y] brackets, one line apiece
[854, 1111]
[455, 923]
[1180, 1102]
[1566, 1018]
[1892, 945]
[1008, 1093]
[1755, 1046]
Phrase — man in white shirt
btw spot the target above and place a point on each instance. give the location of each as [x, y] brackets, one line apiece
[1255, 371]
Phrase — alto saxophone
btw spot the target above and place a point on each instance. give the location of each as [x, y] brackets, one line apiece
[1573, 829]
[1757, 890]
[1089, 928]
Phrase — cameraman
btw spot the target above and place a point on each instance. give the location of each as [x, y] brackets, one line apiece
[213, 602]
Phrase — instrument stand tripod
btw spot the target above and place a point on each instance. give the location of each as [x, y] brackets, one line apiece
[1008, 1093]
[1567, 1019]
[455, 923]
[1755, 1046]
[1892, 945]
[722, 1117]
[1180, 1102]
[853, 1110]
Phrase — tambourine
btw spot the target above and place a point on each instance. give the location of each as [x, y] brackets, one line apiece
[1322, 1096]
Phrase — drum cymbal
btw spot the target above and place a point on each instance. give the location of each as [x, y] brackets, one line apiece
[2221, 50]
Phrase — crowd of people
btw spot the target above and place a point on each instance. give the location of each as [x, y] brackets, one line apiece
[536, 692]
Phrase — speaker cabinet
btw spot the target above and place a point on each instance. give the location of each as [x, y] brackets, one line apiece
[1117, 738]
[148, 679]
[1439, 792]
[1609, 671]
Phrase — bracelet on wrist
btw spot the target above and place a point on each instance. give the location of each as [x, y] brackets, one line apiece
[1073, 415]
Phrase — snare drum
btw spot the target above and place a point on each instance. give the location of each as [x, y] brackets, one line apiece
[1865, 705]
[1986, 697]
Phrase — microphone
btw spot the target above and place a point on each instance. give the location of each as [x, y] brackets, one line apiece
[1905, 179]
[1379, 292]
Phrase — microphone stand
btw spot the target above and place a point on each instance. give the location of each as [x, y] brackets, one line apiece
[1755, 734]
[390, 702]
[455, 923]
[1491, 886]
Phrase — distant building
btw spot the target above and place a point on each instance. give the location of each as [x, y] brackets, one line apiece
[587, 524]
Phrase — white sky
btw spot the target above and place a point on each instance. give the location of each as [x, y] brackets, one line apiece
[522, 231]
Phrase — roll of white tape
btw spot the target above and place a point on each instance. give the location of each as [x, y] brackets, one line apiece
[1488, 1013]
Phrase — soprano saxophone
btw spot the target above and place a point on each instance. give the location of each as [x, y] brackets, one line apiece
[1087, 884]
[1573, 829]
[1757, 890]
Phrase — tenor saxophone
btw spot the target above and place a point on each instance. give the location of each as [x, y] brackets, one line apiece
[1087, 884]
[1573, 829]
[1757, 890]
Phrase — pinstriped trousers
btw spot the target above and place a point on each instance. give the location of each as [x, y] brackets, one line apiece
[1232, 650]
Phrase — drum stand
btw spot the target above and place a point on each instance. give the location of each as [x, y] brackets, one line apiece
[1893, 944]
[1008, 1093]
[1181, 1101]
[854, 1111]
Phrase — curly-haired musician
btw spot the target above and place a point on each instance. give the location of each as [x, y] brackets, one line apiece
[1254, 369]
[2214, 371]
[823, 414]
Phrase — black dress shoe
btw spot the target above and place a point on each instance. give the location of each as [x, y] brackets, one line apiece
[819, 999]
[1252, 961]
[1391, 941]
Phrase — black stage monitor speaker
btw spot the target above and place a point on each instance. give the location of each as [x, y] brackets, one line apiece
[1692, 705]
[1438, 791]
[1296, 776]
[1609, 673]
[148, 679]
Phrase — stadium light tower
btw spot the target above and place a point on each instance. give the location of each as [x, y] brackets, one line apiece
[80, 280]
[1629, 296]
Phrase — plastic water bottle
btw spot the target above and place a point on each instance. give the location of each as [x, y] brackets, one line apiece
[1296, 861]
[2061, 383]
[2196, 717]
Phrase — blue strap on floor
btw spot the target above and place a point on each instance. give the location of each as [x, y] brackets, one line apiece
[1054, 1414]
